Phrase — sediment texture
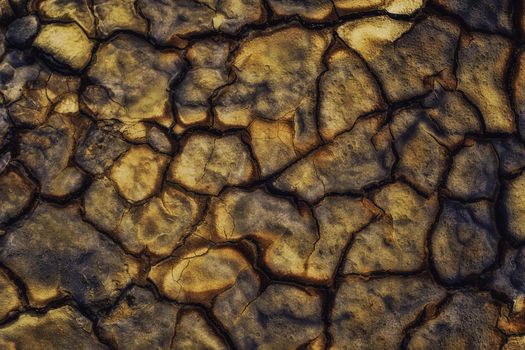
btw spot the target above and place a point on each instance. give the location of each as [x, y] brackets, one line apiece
[262, 174]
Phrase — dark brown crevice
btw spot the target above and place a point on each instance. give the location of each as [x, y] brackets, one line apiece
[326, 68]
[511, 73]
[384, 97]
[337, 280]
[19, 283]
[428, 313]
[212, 320]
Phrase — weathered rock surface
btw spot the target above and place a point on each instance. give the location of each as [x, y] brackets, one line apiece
[201, 275]
[138, 173]
[405, 56]
[17, 68]
[5, 127]
[207, 163]
[31, 109]
[6, 10]
[508, 279]
[159, 225]
[265, 89]
[372, 314]
[22, 31]
[130, 81]
[340, 219]
[482, 62]
[292, 246]
[77, 11]
[102, 205]
[518, 87]
[66, 44]
[465, 240]
[9, 298]
[442, 108]
[262, 174]
[281, 317]
[397, 7]
[423, 159]
[355, 159]
[514, 343]
[273, 145]
[396, 242]
[424, 137]
[484, 15]
[208, 73]
[98, 149]
[511, 320]
[159, 140]
[311, 10]
[62, 328]
[513, 208]
[140, 321]
[43, 94]
[113, 15]
[47, 151]
[16, 194]
[172, 21]
[56, 254]
[194, 332]
[470, 323]
[347, 91]
[474, 172]
[511, 155]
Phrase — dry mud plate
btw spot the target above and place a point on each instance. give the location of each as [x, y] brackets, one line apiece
[262, 174]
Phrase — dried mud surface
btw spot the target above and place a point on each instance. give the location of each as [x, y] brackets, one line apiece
[262, 174]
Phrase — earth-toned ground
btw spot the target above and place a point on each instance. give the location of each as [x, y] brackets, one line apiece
[262, 174]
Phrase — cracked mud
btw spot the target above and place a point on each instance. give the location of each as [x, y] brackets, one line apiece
[262, 174]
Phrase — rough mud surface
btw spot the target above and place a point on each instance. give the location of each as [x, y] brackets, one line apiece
[262, 174]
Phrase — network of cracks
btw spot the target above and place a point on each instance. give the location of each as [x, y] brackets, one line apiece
[262, 174]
